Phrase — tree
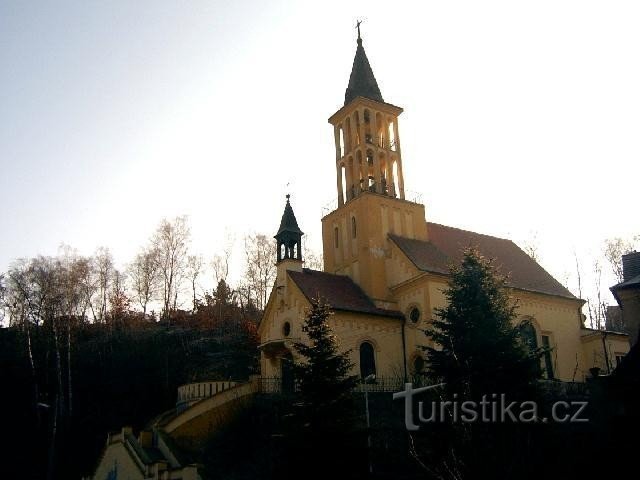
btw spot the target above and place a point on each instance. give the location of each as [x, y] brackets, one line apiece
[220, 262]
[312, 259]
[480, 355]
[614, 249]
[171, 242]
[531, 247]
[195, 264]
[3, 290]
[143, 275]
[480, 350]
[324, 437]
[103, 262]
[323, 377]
[260, 269]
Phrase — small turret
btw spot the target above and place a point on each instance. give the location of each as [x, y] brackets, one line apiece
[289, 236]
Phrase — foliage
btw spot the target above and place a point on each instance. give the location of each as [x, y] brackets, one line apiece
[323, 434]
[481, 349]
[323, 376]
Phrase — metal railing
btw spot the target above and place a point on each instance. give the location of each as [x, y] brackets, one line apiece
[275, 385]
[192, 392]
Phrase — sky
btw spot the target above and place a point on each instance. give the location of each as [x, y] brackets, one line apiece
[521, 119]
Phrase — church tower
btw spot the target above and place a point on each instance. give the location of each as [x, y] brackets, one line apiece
[371, 200]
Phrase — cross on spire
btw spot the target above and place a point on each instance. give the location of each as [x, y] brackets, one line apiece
[358, 22]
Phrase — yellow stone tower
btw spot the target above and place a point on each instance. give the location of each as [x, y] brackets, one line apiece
[370, 186]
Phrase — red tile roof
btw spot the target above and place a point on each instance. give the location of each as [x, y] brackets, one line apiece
[446, 245]
[339, 291]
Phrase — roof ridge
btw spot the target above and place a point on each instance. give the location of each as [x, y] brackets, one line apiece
[470, 231]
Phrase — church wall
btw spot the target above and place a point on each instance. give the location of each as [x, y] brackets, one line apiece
[385, 334]
[554, 317]
[557, 318]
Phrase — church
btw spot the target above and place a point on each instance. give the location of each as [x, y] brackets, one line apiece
[386, 266]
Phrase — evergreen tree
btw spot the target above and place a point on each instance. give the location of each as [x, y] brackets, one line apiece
[323, 439]
[323, 377]
[479, 348]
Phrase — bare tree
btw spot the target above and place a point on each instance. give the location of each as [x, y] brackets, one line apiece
[103, 266]
[312, 259]
[531, 247]
[118, 299]
[220, 262]
[260, 268]
[597, 308]
[614, 249]
[3, 291]
[195, 265]
[143, 275]
[171, 242]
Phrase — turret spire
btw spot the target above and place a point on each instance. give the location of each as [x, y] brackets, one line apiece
[289, 236]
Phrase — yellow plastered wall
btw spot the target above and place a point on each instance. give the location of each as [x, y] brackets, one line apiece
[351, 329]
[593, 350]
[375, 217]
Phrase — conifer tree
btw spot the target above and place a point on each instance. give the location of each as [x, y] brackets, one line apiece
[324, 438]
[323, 377]
[479, 348]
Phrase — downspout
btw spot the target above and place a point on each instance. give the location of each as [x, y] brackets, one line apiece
[404, 354]
[604, 349]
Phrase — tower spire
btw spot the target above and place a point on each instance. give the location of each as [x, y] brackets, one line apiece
[362, 82]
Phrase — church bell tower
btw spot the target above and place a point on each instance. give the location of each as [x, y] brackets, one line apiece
[371, 200]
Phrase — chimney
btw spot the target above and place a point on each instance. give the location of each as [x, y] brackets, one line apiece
[630, 265]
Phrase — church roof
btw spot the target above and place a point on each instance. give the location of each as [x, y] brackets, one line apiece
[362, 82]
[446, 246]
[339, 291]
[288, 223]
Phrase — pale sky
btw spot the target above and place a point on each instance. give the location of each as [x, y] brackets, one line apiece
[521, 118]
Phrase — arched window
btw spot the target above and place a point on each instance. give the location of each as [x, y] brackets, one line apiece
[528, 334]
[392, 137]
[286, 329]
[414, 314]
[354, 228]
[367, 360]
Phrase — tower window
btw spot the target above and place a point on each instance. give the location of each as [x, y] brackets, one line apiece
[354, 229]
[286, 329]
[367, 360]
[414, 315]
[336, 237]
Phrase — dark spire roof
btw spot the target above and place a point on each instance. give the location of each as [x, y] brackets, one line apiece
[288, 222]
[362, 83]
